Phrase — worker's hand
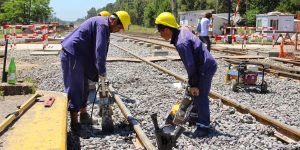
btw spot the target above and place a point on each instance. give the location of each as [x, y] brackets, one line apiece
[194, 91]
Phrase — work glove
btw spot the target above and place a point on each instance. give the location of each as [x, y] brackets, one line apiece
[194, 91]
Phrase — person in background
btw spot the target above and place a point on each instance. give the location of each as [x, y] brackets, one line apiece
[104, 13]
[199, 63]
[205, 24]
[83, 58]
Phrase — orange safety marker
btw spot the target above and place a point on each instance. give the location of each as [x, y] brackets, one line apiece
[49, 102]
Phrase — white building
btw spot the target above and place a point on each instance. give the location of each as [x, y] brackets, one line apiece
[192, 18]
[222, 19]
[280, 21]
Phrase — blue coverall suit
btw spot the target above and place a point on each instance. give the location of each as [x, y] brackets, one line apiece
[84, 57]
[200, 66]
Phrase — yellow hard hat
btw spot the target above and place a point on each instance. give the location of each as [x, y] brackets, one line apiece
[167, 19]
[124, 18]
[104, 13]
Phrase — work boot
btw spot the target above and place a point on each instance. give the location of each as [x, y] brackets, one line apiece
[85, 118]
[200, 132]
[76, 129]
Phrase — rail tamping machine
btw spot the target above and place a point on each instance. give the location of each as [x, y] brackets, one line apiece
[167, 135]
[180, 112]
[105, 105]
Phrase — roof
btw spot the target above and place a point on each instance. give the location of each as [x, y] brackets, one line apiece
[195, 11]
[276, 13]
[225, 16]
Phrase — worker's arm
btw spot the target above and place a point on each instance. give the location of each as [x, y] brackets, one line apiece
[102, 39]
[186, 54]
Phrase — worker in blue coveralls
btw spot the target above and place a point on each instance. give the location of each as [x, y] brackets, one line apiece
[199, 63]
[83, 58]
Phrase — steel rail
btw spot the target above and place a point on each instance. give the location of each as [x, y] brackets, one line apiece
[286, 73]
[172, 47]
[134, 122]
[296, 63]
[282, 128]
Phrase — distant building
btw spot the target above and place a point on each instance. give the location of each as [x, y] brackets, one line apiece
[192, 18]
[221, 19]
[279, 21]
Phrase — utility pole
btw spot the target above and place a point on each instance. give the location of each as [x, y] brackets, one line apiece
[217, 5]
[229, 9]
[174, 8]
[29, 14]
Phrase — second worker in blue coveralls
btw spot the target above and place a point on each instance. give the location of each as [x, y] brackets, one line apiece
[199, 63]
[83, 58]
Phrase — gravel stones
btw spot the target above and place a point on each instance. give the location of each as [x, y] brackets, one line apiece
[145, 90]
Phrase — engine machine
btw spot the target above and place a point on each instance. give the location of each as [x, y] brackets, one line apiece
[246, 75]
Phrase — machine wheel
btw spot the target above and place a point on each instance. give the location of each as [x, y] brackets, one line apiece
[234, 85]
[264, 87]
[107, 121]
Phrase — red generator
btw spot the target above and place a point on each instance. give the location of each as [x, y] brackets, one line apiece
[247, 75]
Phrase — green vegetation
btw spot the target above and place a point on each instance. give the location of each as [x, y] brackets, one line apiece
[24, 11]
[2, 34]
[33, 82]
[143, 12]
[140, 29]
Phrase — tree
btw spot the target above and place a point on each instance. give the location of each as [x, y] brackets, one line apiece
[91, 13]
[17, 11]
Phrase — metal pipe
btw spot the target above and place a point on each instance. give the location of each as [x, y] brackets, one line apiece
[136, 125]
[284, 129]
[4, 75]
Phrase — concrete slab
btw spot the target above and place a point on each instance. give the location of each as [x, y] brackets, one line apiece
[161, 53]
[44, 53]
[148, 45]
[252, 53]
[157, 47]
[273, 53]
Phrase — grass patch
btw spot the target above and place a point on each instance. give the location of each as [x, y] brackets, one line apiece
[18, 31]
[141, 29]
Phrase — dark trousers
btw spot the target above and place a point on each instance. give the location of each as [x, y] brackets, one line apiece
[201, 102]
[75, 81]
[205, 39]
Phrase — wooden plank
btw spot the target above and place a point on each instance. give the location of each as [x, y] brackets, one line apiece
[45, 53]
[244, 57]
[114, 59]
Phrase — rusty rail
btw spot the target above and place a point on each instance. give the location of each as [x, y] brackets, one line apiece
[136, 125]
[282, 128]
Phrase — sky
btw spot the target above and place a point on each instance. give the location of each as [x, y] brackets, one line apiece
[70, 10]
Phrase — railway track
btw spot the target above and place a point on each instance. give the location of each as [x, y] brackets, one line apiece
[132, 99]
[282, 128]
[274, 69]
